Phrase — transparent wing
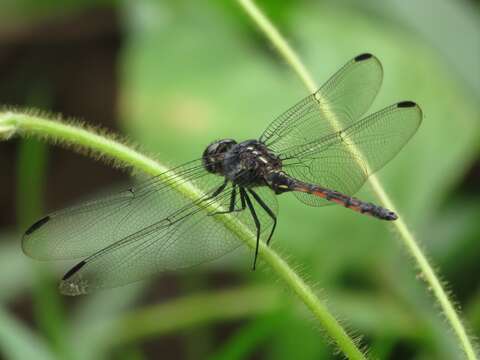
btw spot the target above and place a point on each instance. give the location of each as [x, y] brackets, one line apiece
[84, 229]
[343, 160]
[345, 97]
[189, 236]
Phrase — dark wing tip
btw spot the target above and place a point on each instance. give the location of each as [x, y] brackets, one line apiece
[362, 57]
[72, 285]
[73, 270]
[37, 225]
[406, 104]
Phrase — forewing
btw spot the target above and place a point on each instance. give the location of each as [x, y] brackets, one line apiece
[183, 240]
[344, 160]
[84, 229]
[338, 104]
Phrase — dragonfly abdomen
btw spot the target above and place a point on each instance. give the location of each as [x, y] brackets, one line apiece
[349, 202]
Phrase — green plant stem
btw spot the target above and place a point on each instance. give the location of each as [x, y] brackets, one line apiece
[78, 137]
[284, 49]
[81, 139]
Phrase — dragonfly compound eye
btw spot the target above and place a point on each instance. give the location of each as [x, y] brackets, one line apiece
[215, 153]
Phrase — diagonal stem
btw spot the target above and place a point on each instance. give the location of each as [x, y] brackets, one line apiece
[285, 51]
[95, 145]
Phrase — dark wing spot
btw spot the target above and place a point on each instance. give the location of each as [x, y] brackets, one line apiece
[363, 57]
[406, 104]
[73, 270]
[37, 225]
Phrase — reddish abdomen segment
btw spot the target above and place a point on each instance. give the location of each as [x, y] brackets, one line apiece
[345, 200]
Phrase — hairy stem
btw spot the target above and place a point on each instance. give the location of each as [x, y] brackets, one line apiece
[284, 49]
[81, 139]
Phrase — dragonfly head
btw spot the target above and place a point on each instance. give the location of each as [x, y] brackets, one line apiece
[214, 155]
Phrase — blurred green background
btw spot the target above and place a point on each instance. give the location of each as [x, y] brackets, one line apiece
[174, 75]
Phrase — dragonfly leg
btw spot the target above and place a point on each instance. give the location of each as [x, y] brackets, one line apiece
[233, 198]
[231, 208]
[242, 199]
[216, 193]
[255, 219]
[268, 211]
[220, 189]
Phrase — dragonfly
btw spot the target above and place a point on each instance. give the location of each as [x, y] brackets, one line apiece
[322, 150]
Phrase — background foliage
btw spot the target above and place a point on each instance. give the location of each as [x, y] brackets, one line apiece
[188, 72]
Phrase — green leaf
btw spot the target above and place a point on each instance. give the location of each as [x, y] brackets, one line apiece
[17, 342]
[248, 338]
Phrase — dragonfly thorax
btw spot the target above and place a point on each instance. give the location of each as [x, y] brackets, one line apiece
[249, 163]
